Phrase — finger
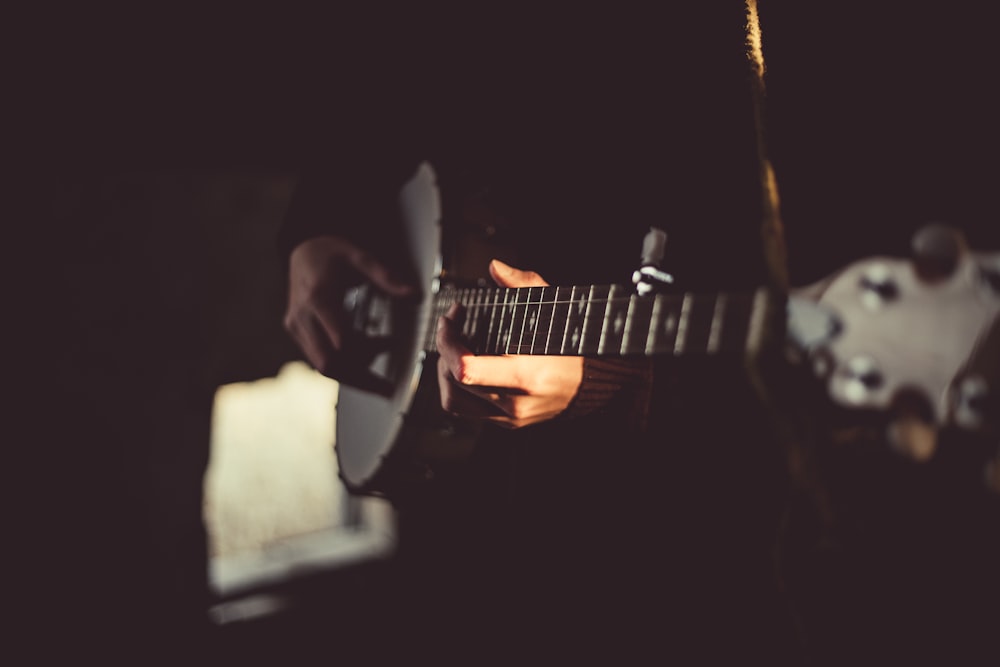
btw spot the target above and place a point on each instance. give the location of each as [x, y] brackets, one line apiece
[487, 372]
[314, 343]
[507, 276]
[456, 400]
[378, 274]
[330, 326]
[450, 342]
[346, 369]
[502, 410]
[456, 395]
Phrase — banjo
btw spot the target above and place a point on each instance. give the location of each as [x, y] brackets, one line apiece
[917, 340]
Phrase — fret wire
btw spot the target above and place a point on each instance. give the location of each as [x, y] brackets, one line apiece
[654, 324]
[524, 321]
[500, 324]
[463, 299]
[629, 313]
[537, 317]
[682, 325]
[554, 291]
[715, 329]
[593, 322]
[607, 324]
[477, 328]
[474, 314]
[568, 314]
[513, 320]
[619, 318]
[586, 319]
[511, 308]
[470, 314]
[486, 311]
[490, 330]
[605, 320]
[569, 319]
[504, 321]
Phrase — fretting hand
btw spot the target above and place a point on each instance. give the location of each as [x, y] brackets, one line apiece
[512, 391]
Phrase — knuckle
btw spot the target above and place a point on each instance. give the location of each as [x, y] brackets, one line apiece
[463, 372]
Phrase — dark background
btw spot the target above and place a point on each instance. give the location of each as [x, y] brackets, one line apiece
[879, 117]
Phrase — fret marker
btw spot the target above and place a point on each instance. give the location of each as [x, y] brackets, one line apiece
[575, 338]
[619, 323]
[670, 323]
[533, 320]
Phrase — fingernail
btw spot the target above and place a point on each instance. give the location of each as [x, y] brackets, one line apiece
[500, 267]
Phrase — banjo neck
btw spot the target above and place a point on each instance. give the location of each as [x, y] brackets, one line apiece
[605, 320]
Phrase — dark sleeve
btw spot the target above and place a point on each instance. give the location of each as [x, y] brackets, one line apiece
[620, 387]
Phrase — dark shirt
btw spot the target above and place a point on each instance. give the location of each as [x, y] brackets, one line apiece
[579, 139]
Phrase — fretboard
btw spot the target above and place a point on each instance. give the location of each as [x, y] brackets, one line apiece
[604, 320]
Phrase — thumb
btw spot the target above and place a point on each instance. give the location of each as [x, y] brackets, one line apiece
[507, 276]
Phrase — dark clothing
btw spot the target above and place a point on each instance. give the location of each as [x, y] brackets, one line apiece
[881, 116]
[582, 137]
[572, 535]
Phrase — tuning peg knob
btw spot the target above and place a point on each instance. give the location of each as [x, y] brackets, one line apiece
[878, 286]
[937, 249]
[861, 377]
[990, 275]
[969, 402]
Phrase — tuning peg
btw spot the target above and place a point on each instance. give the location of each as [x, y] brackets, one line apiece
[969, 399]
[937, 249]
[859, 378]
[649, 276]
[989, 272]
[878, 286]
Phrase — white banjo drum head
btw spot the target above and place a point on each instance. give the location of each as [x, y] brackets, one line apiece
[368, 424]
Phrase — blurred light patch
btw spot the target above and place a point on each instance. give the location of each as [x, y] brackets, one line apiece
[273, 472]
[275, 509]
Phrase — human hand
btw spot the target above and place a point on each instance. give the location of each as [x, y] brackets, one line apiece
[320, 271]
[510, 390]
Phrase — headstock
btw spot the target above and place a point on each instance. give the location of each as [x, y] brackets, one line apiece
[916, 341]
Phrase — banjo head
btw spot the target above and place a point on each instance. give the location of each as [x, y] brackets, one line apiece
[369, 423]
